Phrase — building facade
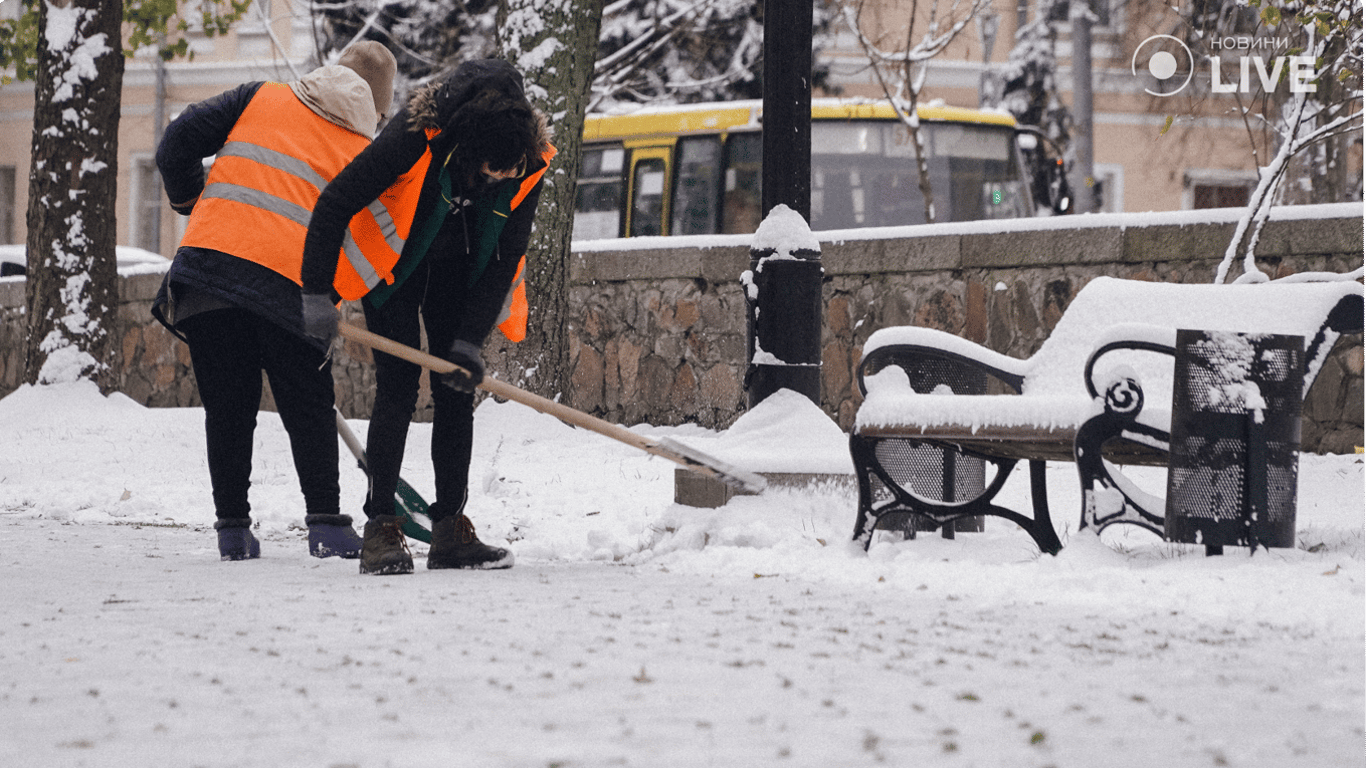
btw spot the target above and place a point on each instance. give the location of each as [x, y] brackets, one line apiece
[1190, 150]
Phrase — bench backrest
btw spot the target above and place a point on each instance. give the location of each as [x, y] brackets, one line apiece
[1296, 308]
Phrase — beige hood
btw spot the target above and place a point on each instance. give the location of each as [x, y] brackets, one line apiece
[339, 95]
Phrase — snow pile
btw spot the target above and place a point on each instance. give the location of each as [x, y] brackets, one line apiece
[784, 433]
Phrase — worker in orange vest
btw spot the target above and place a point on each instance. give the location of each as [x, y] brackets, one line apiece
[459, 172]
[233, 291]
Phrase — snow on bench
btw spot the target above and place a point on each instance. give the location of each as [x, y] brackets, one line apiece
[926, 391]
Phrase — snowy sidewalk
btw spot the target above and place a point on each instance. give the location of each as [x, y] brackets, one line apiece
[635, 632]
[133, 645]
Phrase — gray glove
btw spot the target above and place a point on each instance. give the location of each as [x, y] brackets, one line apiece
[320, 317]
[465, 355]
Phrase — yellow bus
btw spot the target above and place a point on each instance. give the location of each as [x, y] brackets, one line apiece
[695, 169]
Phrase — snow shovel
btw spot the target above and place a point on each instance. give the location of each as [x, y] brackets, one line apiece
[408, 505]
[672, 450]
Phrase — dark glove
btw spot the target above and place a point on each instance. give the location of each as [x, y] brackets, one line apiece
[320, 317]
[185, 209]
[465, 355]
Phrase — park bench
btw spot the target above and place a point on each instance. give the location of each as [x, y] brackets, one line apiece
[939, 410]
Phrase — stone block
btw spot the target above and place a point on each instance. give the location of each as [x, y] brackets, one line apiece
[694, 490]
[909, 254]
[1035, 248]
[1277, 239]
[697, 490]
[1175, 242]
[139, 287]
[1308, 236]
[721, 266]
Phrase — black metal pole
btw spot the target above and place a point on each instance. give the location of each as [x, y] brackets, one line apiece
[784, 289]
[786, 176]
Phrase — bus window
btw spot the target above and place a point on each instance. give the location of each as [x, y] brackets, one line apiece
[647, 197]
[597, 203]
[983, 177]
[697, 190]
[864, 174]
[856, 183]
[744, 165]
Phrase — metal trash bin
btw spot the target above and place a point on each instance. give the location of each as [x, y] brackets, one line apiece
[1235, 439]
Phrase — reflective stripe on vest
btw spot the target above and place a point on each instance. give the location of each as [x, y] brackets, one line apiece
[295, 167]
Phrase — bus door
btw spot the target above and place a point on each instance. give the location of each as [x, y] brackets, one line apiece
[600, 191]
[697, 186]
[648, 191]
[742, 207]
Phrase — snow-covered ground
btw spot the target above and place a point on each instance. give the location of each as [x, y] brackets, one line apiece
[635, 632]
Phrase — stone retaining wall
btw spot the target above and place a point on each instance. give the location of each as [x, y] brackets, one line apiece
[658, 324]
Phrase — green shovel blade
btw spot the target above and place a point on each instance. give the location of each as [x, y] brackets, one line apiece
[408, 504]
[412, 510]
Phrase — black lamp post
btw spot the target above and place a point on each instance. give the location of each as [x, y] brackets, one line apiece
[784, 289]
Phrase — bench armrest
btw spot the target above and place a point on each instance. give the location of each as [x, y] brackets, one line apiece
[933, 358]
[1132, 337]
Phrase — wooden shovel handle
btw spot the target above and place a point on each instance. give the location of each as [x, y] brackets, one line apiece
[499, 388]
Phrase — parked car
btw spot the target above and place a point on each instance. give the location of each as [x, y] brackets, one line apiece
[131, 260]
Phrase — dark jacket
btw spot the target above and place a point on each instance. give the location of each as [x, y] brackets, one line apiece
[398, 147]
[201, 279]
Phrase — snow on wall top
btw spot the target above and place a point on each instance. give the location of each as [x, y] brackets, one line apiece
[992, 226]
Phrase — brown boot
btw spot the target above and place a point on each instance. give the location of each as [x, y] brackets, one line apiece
[454, 545]
[384, 550]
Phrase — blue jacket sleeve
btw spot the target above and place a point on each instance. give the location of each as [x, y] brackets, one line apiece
[198, 132]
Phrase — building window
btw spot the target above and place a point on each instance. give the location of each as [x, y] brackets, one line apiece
[146, 204]
[1060, 9]
[7, 204]
[1217, 188]
[1219, 196]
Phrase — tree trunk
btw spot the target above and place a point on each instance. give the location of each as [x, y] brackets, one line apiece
[554, 44]
[71, 293]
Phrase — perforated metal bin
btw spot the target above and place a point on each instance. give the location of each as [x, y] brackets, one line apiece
[1235, 439]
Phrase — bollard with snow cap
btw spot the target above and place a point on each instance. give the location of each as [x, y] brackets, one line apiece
[784, 307]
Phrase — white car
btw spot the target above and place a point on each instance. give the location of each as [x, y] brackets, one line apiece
[131, 260]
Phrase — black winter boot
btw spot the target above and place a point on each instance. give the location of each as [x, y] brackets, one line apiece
[332, 536]
[384, 550]
[235, 540]
[454, 545]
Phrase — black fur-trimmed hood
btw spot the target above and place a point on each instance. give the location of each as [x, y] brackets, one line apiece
[433, 105]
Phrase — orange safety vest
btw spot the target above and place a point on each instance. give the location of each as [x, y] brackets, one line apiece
[262, 189]
[400, 200]
[515, 310]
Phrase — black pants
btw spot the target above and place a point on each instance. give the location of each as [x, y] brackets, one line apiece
[229, 349]
[427, 294]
